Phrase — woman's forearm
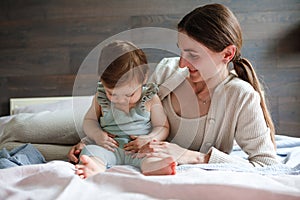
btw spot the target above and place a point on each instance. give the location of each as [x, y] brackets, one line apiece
[193, 157]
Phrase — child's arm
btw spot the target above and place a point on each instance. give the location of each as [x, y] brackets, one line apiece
[93, 130]
[159, 120]
[160, 126]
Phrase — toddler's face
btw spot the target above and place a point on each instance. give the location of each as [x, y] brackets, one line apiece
[125, 95]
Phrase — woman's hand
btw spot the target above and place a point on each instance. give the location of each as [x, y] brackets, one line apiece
[74, 152]
[137, 143]
[106, 140]
[166, 149]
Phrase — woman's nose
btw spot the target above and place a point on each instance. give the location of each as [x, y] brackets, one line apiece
[183, 63]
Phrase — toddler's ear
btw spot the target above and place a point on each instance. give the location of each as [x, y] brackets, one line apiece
[146, 78]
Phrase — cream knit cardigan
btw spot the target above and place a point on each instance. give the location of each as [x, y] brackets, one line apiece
[235, 114]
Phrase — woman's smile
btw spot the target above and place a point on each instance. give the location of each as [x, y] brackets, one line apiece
[193, 71]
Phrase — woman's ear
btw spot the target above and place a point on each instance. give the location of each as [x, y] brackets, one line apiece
[228, 53]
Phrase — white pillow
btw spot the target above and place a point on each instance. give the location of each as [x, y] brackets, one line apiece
[59, 105]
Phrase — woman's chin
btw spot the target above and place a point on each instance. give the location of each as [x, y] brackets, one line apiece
[195, 78]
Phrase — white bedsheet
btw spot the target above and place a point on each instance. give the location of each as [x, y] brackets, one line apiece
[56, 180]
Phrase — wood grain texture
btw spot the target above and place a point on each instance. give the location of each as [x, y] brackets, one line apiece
[43, 44]
[289, 114]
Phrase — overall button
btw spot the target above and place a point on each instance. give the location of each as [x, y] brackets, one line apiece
[208, 144]
[211, 121]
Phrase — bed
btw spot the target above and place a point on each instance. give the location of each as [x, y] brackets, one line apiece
[52, 125]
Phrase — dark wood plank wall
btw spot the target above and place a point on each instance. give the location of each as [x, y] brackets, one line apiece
[43, 44]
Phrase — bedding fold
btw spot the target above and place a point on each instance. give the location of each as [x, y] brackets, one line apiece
[25, 154]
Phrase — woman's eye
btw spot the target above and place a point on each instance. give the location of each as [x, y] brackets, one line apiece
[193, 56]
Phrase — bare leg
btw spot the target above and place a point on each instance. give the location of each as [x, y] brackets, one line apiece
[89, 166]
[158, 166]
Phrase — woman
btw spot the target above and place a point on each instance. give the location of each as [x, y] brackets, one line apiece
[208, 106]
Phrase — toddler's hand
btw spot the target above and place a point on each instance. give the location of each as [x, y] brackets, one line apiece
[107, 141]
[137, 143]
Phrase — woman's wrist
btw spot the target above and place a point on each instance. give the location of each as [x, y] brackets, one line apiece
[206, 157]
[196, 157]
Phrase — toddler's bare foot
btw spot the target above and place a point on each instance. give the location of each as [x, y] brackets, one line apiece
[89, 166]
[166, 166]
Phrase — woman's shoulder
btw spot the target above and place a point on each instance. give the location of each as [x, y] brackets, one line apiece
[171, 63]
[237, 88]
[168, 75]
[239, 85]
[165, 69]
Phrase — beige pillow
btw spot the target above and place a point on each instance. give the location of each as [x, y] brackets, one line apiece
[61, 128]
[57, 127]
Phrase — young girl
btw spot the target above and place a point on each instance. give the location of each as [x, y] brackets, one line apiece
[130, 115]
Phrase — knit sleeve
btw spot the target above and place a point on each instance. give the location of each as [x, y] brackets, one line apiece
[217, 156]
[252, 135]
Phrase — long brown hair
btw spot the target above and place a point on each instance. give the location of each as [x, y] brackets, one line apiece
[121, 61]
[216, 27]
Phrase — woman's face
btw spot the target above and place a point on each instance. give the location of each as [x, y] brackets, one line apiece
[202, 63]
